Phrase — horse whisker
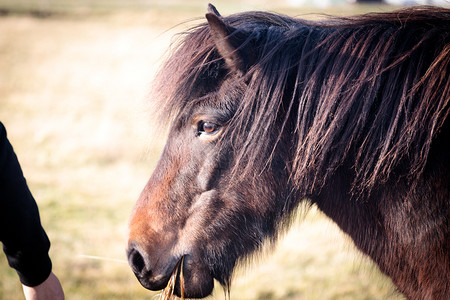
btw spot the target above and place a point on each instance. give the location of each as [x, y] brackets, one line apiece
[103, 258]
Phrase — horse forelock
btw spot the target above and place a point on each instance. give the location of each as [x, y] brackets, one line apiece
[370, 91]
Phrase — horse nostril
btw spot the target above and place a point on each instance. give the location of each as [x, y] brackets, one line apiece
[136, 260]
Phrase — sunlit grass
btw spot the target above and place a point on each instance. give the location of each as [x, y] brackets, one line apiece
[73, 98]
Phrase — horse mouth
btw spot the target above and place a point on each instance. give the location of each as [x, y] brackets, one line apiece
[164, 280]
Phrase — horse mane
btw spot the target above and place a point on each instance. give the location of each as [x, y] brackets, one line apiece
[370, 91]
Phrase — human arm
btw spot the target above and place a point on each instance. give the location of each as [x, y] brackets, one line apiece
[25, 242]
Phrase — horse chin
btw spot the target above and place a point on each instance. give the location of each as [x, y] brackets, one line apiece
[197, 284]
[197, 280]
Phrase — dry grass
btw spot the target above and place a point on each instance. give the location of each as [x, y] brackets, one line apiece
[168, 292]
[74, 103]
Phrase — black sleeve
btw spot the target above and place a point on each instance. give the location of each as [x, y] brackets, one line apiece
[25, 242]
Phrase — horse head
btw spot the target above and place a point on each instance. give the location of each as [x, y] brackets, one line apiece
[196, 207]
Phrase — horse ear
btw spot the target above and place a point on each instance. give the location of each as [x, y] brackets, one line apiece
[212, 9]
[226, 43]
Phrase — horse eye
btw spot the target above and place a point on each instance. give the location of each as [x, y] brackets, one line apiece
[207, 127]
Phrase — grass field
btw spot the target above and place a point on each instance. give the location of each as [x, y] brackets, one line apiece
[74, 82]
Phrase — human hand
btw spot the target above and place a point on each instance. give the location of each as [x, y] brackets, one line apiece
[50, 289]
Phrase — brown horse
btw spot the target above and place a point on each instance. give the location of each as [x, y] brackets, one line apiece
[266, 111]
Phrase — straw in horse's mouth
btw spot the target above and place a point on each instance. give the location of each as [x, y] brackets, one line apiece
[167, 292]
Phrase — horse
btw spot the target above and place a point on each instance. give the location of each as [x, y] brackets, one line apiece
[266, 111]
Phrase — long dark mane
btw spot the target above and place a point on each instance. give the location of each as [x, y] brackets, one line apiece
[371, 91]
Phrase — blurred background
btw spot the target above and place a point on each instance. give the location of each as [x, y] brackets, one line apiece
[74, 96]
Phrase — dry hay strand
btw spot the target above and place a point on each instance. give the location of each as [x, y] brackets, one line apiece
[167, 292]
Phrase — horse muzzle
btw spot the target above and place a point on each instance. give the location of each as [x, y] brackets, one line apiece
[155, 274]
